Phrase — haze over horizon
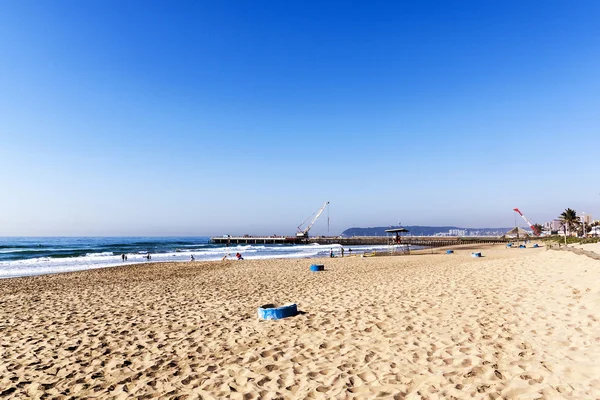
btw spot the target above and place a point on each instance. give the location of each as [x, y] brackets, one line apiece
[134, 118]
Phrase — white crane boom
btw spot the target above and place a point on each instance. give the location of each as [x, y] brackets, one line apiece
[304, 232]
[536, 231]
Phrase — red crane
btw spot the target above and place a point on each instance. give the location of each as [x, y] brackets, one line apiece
[535, 230]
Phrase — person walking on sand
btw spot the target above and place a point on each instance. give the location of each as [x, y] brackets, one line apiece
[331, 253]
[342, 252]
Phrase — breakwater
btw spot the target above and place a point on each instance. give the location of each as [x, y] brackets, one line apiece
[427, 241]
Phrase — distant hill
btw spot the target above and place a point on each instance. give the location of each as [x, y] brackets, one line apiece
[417, 230]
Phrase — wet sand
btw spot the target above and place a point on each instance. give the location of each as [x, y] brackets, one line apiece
[515, 324]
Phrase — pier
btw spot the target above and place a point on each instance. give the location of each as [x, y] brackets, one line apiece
[256, 240]
[427, 241]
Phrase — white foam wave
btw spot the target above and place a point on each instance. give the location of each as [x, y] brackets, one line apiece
[103, 254]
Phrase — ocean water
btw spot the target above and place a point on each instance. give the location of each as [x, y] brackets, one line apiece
[25, 256]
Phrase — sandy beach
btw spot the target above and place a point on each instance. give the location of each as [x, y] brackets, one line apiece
[515, 324]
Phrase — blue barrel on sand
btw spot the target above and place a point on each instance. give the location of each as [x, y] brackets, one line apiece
[272, 311]
[449, 251]
[508, 244]
[522, 246]
[475, 254]
[317, 267]
[536, 245]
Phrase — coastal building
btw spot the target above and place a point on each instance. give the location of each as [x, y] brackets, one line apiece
[586, 219]
[457, 232]
[553, 226]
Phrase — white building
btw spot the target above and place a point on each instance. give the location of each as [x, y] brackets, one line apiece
[555, 225]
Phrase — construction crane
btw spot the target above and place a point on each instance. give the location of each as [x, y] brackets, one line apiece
[535, 230]
[303, 233]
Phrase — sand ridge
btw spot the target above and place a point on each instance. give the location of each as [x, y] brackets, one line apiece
[518, 323]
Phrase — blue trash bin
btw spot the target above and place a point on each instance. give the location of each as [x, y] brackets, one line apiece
[271, 311]
[475, 254]
[317, 267]
[449, 251]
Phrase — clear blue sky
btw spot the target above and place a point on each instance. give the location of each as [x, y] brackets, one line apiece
[210, 117]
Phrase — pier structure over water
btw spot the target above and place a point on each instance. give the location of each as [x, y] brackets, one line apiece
[246, 239]
[427, 241]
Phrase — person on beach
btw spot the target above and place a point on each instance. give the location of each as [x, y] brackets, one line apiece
[148, 257]
[123, 257]
[331, 253]
[226, 251]
[350, 251]
[239, 256]
[192, 258]
[342, 252]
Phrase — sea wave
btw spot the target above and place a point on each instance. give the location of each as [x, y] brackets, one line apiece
[103, 254]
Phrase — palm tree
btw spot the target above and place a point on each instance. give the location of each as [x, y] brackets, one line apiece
[569, 221]
[538, 227]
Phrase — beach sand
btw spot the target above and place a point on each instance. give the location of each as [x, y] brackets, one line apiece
[593, 247]
[515, 324]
